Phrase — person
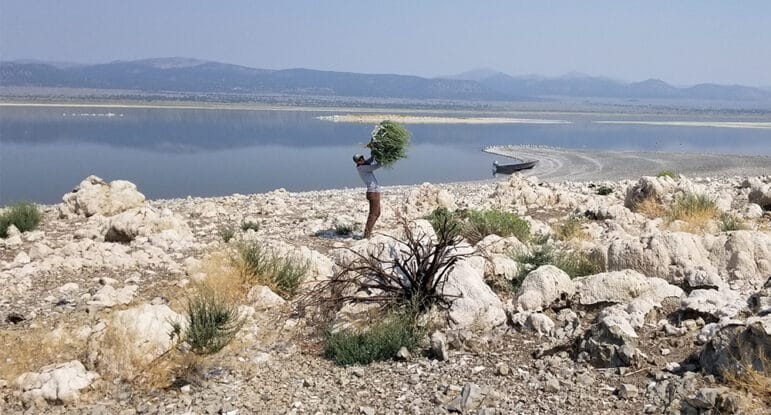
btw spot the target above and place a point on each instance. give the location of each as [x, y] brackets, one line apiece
[366, 167]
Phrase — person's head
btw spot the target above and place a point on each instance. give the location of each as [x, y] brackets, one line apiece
[358, 159]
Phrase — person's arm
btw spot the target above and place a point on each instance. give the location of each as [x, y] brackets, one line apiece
[369, 165]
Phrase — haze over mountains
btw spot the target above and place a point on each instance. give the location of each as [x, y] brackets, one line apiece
[198, 76]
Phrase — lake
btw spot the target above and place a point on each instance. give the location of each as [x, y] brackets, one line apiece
[46, 151]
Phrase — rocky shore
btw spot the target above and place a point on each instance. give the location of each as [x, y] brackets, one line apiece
[675, 320]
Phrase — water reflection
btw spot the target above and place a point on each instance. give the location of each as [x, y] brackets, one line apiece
[174, 153]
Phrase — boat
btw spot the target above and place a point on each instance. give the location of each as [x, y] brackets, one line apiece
[512, 168]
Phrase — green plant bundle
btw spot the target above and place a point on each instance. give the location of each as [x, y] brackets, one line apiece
[389, 142]
[23, 215]
[212, 322]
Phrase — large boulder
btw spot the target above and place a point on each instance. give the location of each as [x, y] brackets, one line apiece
[424, 199]
[649, 188]
[542, 287]
[666, 255]
[94, 196]
[622, 287]
[741, 255]
[55, 383]
[734, 349]
[715, 304]
[612, 341]
[760, 194]
[474, 304]
[163, 227]
[133, 339]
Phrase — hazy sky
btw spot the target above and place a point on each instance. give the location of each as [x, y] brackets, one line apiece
[682, 42]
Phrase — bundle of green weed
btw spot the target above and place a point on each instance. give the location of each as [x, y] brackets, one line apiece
[212, 322]
[380, 342]
[389, 142]
[261, 265]
[24, 216]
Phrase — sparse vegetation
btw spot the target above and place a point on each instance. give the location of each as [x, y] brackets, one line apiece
[570, 228]
[574, 263]
[226, 233]
[666, 173]
[213, 321]
[247, 225]
[729, 222]
[260, 265]
[694, 209]
[474, 225]
[380, 342]
[23, 215]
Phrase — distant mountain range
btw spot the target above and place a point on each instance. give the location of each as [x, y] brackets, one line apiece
[197, 76]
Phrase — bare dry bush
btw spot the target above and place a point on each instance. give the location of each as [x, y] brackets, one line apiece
[414, 275]
[752, 378]
[28, 350]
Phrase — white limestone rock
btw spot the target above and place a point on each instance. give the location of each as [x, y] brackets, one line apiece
[133, 339]
[476, 305]
[544, 286]
[723, 303]
[623, 287]
[108, 296]
[263, 298]
[55, 383]
[163, 228]
[95, 196]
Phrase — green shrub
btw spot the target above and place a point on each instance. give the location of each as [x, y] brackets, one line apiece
[212, 322]
[729, 222]
[260, 265]
[246, 225]
[381, 342]
[604, 190]
[226, 233]
[666, 173]
[494, 222]
[24, 216]
[440, 216]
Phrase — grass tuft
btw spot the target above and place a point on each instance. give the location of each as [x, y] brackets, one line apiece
[574, 263]
[380, 342]
[650, 207]
[729, 222]
[213, 321]
[694, 209]
[226, 233]
[474, 225]
[24, 216]
[343, 230]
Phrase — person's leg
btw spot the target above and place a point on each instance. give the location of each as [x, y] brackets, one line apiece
[374, 212]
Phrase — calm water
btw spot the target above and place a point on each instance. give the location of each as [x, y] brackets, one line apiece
[45, 152]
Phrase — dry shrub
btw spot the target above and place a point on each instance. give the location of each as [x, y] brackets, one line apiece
[174, 367]
[28, 350]
[753, 380]
[223, 276]
[570, 229]
[650, 207]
